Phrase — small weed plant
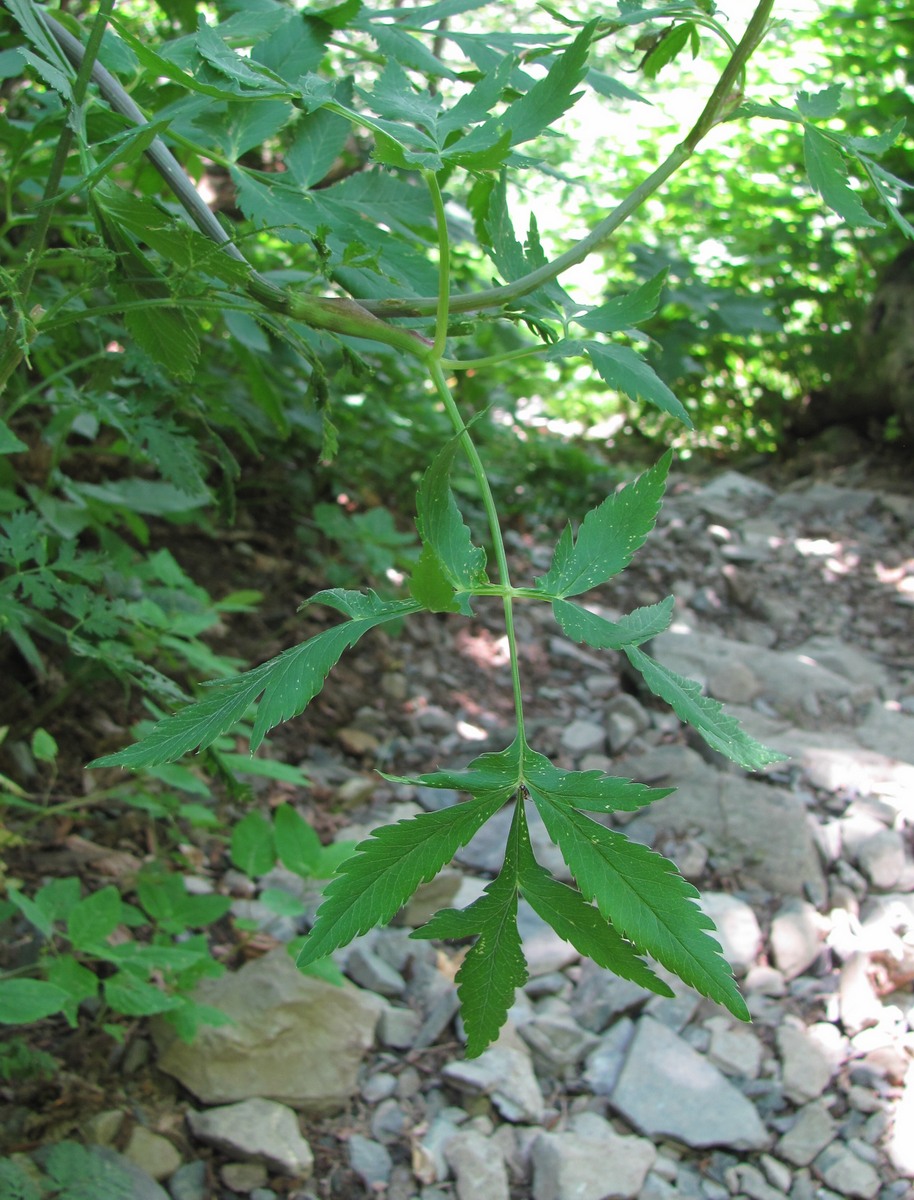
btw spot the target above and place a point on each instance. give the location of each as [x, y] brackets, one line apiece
[394, 255]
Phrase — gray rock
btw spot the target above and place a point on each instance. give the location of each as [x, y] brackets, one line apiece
[370, 1160]
[260, 1129]
[294, 1038]
[505, 1074]
[813, 1129]
[399, 1028]
[478, 1167]
[809, 1058]
[737, 489]
[389, 1121]
[189, 1182]
[749, 1181]
[666, 1088]
[590, 1162]
[796, 937]
[152, 1153]
[607, 1060]
[737, 928]
[428, 898]
[244, 1177]
[582, 737]
[557, 1041]
[369, 970]
[849, 1175]
[881, 858]
[733, 1048]
[380, 1086]
[600, 997]
[429, 1162]
[543, 949]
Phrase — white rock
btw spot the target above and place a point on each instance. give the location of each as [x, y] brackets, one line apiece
[260, 1129]
[505, 1074]
[737, 928]
[734, 1048]
[881, 858]
[583, 737]
[796, 937]
[478, 1167]
[809, 1058]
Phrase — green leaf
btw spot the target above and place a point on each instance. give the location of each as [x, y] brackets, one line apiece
[298, 846]
[720, 731]
[9, 443]
[579, 923]
[886, 184]
[25, 1000]
[635, 627]
[95, 918]
[645, 898]
[252, 846]
[58, 896]
[430, 586]
[44, 747]
[213, 50]
[76, 980]
[542, 106]
[827, 173]
[609, 536]
[14, 1183]
[375, 883]
[134, 997]
[441, 526]
[494, 966]
[623, 369]
[590, 790]
[32, 912]
[668, 46]
[282, 903]
[624, 311]
[287, 683]
[489, 775]
[318, 141]
[819, 106]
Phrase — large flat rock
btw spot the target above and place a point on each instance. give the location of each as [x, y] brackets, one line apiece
[294, 1038]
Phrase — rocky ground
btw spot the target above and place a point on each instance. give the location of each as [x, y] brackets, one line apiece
[796, 608]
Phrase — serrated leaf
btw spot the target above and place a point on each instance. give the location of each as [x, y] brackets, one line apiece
[25, 1000]
[430, 586]
[645, 898]
[441, 525]
[298, 846]
[318, 141]
[877, 143]
[32, 912]
[385, 870]
[624, 311]
[609, 536]
[134, 997]
[579, 923]
[222, 58]
[590, 790]
[9, 442]
[287, 684]
[670, 43]
[635, 627]
[95, 918]
[165, 334]
[885, 184]
[490, 775]
[721, 731]
[623, 369]
[549, 98]
[494, 966]
[827, 173]
[252, 846]
[819, 106]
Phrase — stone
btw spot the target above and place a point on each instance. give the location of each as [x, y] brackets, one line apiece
[809, 1058]
[666, 1088]
[600, 997]
[258, 1129]
[858, 1004]
[749, 1181]
[607, 1060]
[583, 737]
[399, 1028]
[590, 1161]
[244, 1177]
[881, 858]
[557, 1041]
[117, 1170]
[900, 1141]
[737, 929]
[796, 937]
[428, 898]
[370, 1160]
[506, 1075]
[478, 1166]
[189, 1182]
[380, 1086]
[152, 1153]
[294, 1038]
[358, 742]
[734, 1048]
[849, 1175]
[813, 1130]
[542, 947]
[370, 971]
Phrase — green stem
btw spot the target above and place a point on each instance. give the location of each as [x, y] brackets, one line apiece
[498, 542]
[491, 360]
[444, 265]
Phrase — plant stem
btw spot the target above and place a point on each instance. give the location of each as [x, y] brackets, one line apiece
[444, 265]
[501, 558]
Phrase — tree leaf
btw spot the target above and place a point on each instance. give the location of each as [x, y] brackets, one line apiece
[819, 106]
[827, 173]
[287, 684]
[622, 368]
[609, 536]
[495, 966]
[95, 918]
[385, 870]
[635, 627]
[624, 311]
[707, 716]
[441, 526]
[645, 898]
[490, 775]
[591, 790]
[577, 922]
[25, 1000]
[549, 98]
[298, 846]
[222, 58]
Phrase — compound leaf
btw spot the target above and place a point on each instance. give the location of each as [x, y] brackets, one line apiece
[591, 790]
[441, 526]
[635, 627]
[828, 175]
[624, 311]
[609, 536]
[721, 731]
[623, 369]
[298, 846]
[547, 100]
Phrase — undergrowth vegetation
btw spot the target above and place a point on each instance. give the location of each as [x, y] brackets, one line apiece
[361, 298]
